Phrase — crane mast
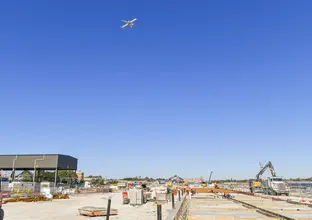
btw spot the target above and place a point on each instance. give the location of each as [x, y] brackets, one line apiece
[209, 181]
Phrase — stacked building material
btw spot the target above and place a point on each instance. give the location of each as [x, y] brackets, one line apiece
[27, 199]
[136, 196]
[60, 196]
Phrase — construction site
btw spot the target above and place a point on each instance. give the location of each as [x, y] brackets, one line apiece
[171, 199]
[155, 110]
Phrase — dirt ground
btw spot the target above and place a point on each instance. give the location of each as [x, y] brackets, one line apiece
[68, 209]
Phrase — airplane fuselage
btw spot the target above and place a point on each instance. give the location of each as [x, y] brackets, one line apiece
[129, 23]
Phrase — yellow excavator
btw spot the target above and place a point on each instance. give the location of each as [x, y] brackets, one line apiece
[257, 183]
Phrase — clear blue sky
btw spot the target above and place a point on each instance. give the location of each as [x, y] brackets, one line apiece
[195, 86]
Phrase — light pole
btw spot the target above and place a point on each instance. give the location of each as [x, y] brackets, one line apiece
[35, 166]
[13, 168]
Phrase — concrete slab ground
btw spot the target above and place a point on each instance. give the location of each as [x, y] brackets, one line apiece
[280, 207]
[68, 209]
[208, 207]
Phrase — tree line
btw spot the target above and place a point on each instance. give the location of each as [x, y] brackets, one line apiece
[63, 176]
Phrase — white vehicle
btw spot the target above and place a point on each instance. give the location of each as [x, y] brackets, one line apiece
[128, 23]
[275, 186]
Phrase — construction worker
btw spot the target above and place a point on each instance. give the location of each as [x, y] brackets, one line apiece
[168, 194]
[175, 191]
[193, 191]
[224, 196]
[229, 196]
[250, 186]
[188, 189]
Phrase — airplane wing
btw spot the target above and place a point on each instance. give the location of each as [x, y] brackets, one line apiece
[124, 26]
[124, 21]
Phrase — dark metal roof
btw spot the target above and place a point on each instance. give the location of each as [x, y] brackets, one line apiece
[41, 161]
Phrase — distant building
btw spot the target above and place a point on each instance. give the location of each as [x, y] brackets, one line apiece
[161, 181]
[88, 179]
[194, 180]
[80, 175]
[92, 178]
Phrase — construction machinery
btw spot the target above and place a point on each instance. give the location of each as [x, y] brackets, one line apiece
[271, 185]
[176, 179]
[257, 184]
[275, 186]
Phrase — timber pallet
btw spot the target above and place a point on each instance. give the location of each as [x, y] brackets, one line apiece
[91, 211]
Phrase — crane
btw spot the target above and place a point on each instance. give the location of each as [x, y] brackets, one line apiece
[209, 181]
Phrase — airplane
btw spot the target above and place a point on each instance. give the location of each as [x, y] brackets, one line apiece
[128, 23]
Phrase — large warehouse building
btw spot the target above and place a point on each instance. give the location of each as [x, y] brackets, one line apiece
[35, 162]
